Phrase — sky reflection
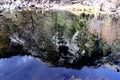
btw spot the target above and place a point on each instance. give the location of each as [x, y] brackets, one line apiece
[28, 68]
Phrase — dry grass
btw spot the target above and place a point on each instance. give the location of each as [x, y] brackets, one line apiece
[111, 29]
[78, 9]
[107, 28]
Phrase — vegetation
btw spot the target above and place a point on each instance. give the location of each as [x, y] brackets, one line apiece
[78, 23]
[70, 32]
[105, 49]
[4, 44]
[59, 26]
[43, 28]
[116, 45]
[7, 27]
[52, 54]
[82, 40]
[92, 44]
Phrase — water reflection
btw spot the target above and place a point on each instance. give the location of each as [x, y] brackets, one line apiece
[28, 68]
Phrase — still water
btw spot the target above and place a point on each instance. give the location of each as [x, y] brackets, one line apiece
[29, 68]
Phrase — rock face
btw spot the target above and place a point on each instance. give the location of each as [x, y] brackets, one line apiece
[103, 5]
[112, 61]
[58, 38]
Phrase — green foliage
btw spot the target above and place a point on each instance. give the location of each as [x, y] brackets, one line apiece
[60, 30]
[92, 44]
[105, 49]
[58, 18]
[70, 31]
[79, 23]
[116, 45]
[52, 54]
[90, 51]
[59, 25]
[82, 40]
[4, 44]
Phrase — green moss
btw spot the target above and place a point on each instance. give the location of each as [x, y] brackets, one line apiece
[90, 52]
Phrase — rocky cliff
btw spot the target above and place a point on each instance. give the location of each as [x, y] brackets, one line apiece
[59, 38]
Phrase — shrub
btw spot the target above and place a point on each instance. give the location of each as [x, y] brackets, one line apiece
[79, 23]
[52, 54]
[105, 49]
[116, 45]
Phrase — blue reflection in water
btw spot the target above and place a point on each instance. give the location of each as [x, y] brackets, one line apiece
[28, 68]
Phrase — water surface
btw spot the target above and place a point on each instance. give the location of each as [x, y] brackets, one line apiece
[29, 68]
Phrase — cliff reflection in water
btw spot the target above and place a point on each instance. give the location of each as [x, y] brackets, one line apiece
[28, 68]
